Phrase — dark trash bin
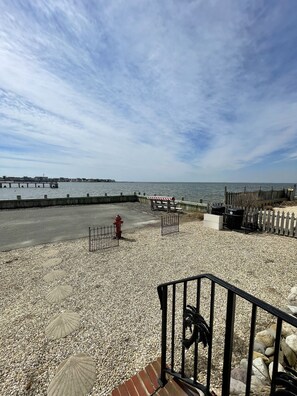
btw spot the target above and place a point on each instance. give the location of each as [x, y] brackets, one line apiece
[234, 218]
[250, 221]
[217, 210]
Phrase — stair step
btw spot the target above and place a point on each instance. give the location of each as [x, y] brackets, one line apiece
[145, 383]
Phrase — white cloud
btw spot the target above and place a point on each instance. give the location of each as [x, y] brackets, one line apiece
[141, 90]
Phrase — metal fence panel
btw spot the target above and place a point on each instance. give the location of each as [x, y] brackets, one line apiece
[169, 223]
[102, 238]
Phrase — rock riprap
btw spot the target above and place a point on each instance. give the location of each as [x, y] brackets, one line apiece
[292, 301]
[263, 362]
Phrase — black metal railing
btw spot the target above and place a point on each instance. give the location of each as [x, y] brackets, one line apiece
[169, 223]
[181, 305]
[102, 237]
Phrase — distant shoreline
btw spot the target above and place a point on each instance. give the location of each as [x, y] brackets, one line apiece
[52, 180]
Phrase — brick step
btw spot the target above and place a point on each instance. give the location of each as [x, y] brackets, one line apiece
[145, 383]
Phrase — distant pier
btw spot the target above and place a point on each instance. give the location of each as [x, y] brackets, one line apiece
[27, 184]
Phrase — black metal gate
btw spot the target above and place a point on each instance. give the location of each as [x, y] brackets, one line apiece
[169, 223]
[102, 238]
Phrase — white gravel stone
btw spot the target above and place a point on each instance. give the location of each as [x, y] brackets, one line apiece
[116, 298]
[289, 353]
[292, 298]
[280, 368]
[260, 369]
[288, 329]
[236, 387]
[269, 351]
[291, 340]
[259, 347]
[293, 309]
[265, 337]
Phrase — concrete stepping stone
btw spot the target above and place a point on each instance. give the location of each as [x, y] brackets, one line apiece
[62, 325]
[52, 262]
[54, 275]
[59, 293]
[47, 253]
[75, 377]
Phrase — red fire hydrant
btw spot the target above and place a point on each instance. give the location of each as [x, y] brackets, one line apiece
[118, 225]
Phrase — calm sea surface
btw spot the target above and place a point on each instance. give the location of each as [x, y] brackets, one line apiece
[213, 192]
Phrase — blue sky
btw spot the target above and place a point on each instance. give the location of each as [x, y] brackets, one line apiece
[149, 90]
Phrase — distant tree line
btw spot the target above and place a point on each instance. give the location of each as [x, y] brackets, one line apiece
[37, 179]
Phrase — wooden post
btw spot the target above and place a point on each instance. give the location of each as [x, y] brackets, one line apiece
[225, 195]
[268, 221]
[277, 222]
[291, 231]
[282, 220]
[287, 224]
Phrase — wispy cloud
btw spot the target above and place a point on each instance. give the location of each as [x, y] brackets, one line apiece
[148, 90]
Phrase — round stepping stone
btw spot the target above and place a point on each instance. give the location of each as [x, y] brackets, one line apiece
[52, 262]
[59, 293]
[62, 325]
[75, 377]
[49, 253]
[54, 275]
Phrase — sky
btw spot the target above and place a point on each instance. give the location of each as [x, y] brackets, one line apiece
[149, 90]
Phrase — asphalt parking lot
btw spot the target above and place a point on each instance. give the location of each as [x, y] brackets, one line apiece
[29, 227]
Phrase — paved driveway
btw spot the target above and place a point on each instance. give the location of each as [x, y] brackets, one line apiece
[28, 227]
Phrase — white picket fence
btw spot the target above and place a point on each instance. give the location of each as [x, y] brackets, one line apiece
[274, 222]
[280, 223]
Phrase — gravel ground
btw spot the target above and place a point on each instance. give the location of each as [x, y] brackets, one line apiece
[114, 292]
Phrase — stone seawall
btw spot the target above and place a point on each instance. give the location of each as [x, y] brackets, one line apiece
[43, 202]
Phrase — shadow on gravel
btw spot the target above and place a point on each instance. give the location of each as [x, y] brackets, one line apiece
[128, 239]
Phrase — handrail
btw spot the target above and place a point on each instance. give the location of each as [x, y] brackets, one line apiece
[232, 293]
[241, 293]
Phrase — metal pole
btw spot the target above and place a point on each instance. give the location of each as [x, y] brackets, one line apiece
[230, 315]
[162, 380]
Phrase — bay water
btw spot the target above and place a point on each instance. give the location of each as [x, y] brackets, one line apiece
[208, 192]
